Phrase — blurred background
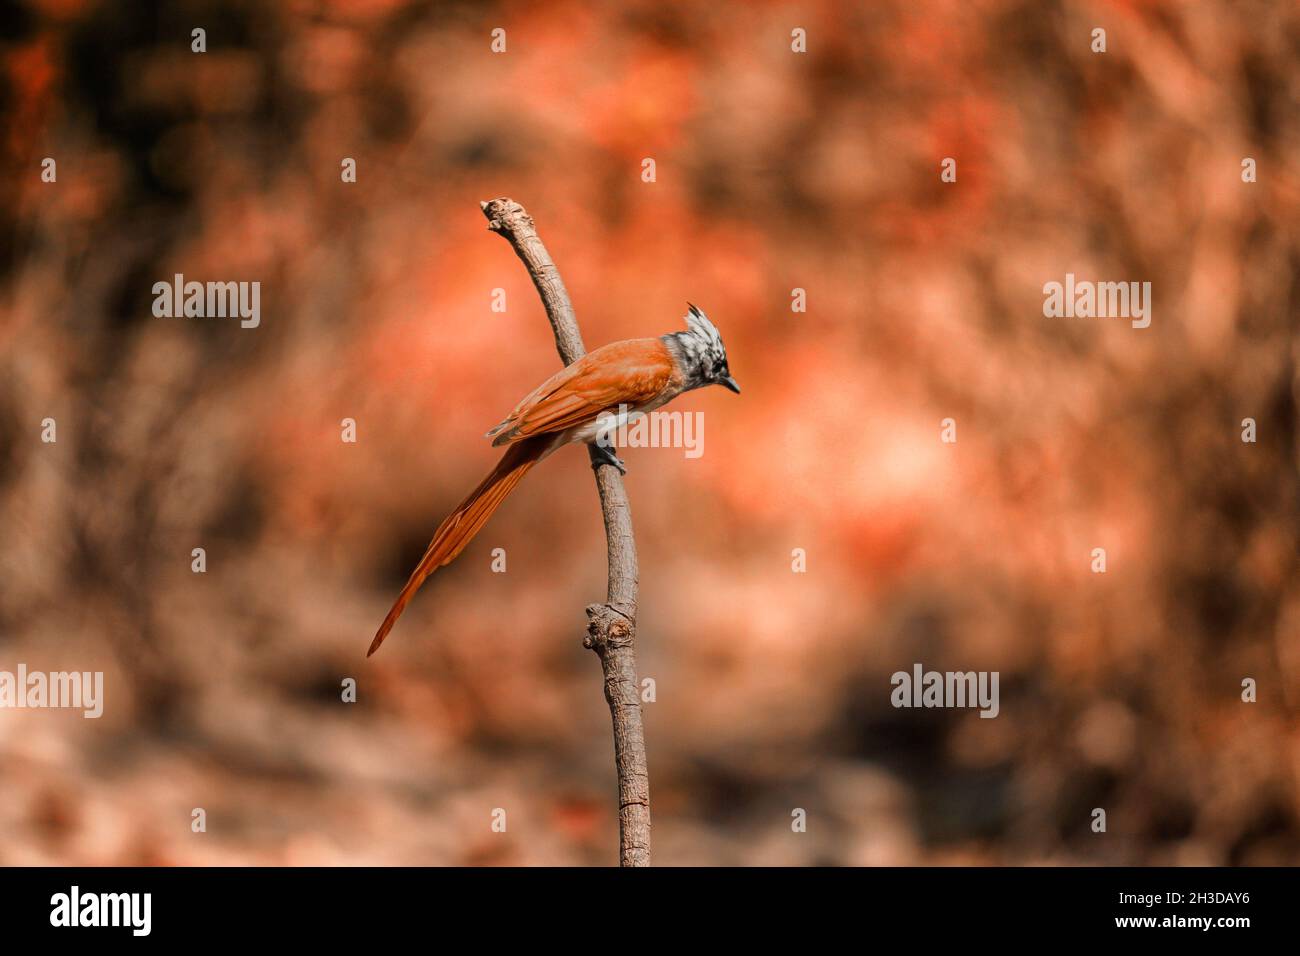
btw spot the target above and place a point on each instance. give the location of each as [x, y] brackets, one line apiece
[774, 171]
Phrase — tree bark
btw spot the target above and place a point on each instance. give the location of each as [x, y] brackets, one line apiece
[611, 627]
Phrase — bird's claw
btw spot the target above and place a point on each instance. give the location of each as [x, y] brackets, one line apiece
[605, 456]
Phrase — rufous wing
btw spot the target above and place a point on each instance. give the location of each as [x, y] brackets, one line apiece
[623, 373]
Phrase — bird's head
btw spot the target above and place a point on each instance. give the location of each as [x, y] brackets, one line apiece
[702, 354]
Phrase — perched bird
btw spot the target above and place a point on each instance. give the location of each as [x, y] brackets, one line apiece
[583, 402]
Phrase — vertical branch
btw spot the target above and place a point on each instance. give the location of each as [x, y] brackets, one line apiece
[611, 627]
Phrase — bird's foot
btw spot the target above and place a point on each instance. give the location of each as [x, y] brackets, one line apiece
[605, 456]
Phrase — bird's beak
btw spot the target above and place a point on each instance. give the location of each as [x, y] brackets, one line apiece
[730, 383]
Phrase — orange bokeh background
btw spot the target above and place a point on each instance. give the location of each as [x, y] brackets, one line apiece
[775, 171]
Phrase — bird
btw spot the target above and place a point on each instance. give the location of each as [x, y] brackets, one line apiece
[582, 403]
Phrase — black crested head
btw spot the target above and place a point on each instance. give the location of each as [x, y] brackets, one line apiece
[702, 354]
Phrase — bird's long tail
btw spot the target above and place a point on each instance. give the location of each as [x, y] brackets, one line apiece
[459, 527]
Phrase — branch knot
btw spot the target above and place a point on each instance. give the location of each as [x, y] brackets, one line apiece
[505, 216]
[607, 627]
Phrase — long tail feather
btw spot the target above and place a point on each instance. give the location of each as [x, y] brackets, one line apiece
[459, 527]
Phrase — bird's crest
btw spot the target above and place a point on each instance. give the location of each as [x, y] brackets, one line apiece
[699, 323]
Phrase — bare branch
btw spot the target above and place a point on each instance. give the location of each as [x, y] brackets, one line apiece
[611, 627]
